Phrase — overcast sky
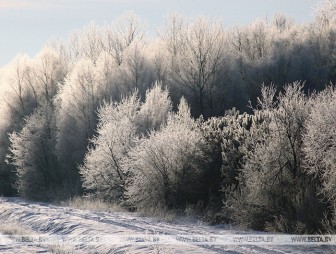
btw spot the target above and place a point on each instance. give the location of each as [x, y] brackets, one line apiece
[26, 25]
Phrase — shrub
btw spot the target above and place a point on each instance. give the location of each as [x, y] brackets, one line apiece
[167, 167]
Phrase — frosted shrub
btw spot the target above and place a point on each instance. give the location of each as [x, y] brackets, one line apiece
[155, 110]
[274, 183]
[226, 138]
[116, 134]
[167, 167]
[120, 126]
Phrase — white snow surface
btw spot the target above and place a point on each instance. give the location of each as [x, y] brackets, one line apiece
[52, 220]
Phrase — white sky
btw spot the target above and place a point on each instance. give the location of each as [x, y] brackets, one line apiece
[26, 25]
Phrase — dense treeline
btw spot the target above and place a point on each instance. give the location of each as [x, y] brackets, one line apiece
[156, 123]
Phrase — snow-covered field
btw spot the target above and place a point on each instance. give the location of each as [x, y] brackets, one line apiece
[54, 221]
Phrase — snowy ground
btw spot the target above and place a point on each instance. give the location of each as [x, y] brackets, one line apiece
[52, 221]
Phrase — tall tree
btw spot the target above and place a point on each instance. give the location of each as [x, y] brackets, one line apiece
[32, 153]
[197, 59]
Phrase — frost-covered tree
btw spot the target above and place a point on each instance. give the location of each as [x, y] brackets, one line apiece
[226, 136]
[251, 44]
[319, 144]
[49, 71]
[16, 90]
[276, 191]
[116, 133]
[228, 140]
[136, 70]
[122, 33]
[154, 111]
[86, 43]
[76, 102]
[108, 81]
[158, 59]
[167, 167]
[112, 39]
[121, 124]
[282, 22]
[172, 36]
[325, 13]
[197, 59]
[107, 63]
[32, 152]
[26, 84]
